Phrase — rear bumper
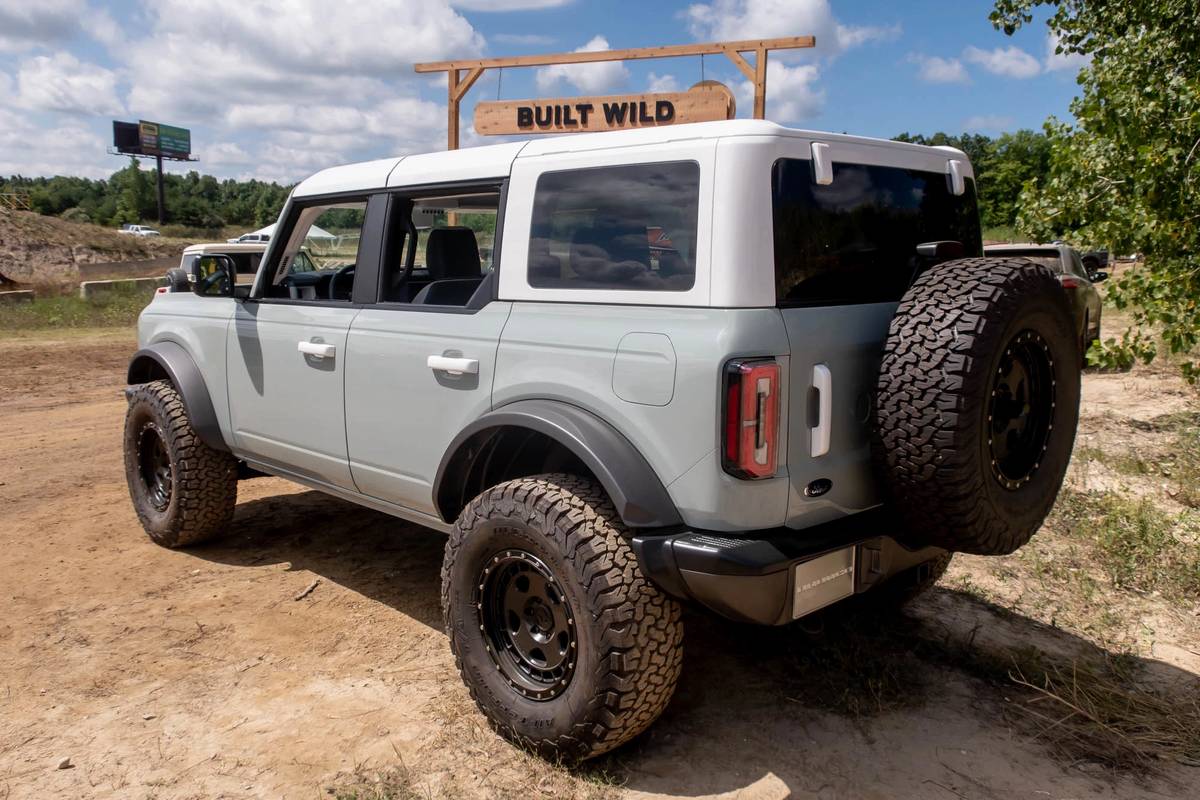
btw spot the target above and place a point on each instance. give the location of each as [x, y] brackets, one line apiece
[752, 577]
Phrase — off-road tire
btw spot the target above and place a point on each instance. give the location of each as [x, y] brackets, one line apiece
[203, 480]
[932, 445]
[630, 636]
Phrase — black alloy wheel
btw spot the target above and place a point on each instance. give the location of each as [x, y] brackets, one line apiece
[528, 623]
[154, 466]
[1021, 409]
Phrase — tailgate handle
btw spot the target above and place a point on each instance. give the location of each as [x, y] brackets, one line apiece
[822, 382]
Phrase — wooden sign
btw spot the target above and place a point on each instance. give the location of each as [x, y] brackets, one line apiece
[704, 102]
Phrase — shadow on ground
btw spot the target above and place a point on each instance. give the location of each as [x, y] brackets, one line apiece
[856, 698]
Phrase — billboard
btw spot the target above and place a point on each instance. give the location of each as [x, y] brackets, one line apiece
[152, 139]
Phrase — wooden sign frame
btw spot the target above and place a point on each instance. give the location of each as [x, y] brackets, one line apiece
[459, 84]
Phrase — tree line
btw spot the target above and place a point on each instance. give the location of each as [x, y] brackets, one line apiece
[194, 200]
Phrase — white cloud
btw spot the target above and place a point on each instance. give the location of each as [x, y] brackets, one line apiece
[1009, 62]
[935, 69]
[1056, 61]
[62, 83]
[988, 123]
[754, 19]
[508, 5]
[597, 78]
[27, 148]
[25, 24]
[792, 94]
[663, 83]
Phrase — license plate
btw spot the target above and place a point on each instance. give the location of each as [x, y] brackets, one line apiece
[823, 580]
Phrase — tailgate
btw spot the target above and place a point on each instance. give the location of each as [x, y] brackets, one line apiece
[835, 353]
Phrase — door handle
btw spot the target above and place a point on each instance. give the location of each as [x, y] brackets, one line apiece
[453, 366]
[822, 381]
[317, 349]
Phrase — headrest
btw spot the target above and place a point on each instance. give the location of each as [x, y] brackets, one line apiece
[610, 251]
[452, 253]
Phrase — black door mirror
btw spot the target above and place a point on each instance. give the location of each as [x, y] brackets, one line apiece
[214, 276]
[1098, 276]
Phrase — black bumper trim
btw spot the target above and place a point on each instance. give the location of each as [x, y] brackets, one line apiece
[748, 577]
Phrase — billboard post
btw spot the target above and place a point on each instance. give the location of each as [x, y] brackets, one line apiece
[144, 139]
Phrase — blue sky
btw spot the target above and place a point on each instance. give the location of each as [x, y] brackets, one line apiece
[277, 90]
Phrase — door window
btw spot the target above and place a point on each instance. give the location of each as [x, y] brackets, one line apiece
[320, 258]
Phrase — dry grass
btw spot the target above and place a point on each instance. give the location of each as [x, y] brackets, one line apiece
[1101, 713]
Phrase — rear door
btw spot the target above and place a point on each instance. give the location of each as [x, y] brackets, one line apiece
[421, 363]
[845, 237]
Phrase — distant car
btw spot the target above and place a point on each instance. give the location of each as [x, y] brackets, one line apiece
[1075, 277]
[251, 238]
[138, 230]
[1094, 261]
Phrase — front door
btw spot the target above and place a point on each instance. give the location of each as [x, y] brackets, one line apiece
[286, 351]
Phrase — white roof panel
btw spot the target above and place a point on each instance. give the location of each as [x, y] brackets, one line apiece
[348, 178]
[469, 163]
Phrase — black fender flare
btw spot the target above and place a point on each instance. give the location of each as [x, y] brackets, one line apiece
[168, 357]
[631, 483]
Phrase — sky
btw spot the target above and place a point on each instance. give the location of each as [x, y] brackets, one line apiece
[277, 90]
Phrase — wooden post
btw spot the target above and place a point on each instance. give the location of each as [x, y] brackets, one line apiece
[452, 111]
[760, 84]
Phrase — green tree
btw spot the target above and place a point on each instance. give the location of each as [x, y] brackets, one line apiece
[135, 196]
[1127, 172]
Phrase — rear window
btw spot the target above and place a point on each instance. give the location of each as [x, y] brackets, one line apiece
[854, 241]
[630, 228]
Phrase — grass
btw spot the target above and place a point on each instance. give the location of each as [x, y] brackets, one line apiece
[118, 308]
[1141, 547]
[1002, 233]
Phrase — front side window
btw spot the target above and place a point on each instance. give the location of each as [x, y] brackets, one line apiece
[630, 228]
[855, 240]
[319, 260]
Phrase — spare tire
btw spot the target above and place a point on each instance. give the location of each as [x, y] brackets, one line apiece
[977, 402]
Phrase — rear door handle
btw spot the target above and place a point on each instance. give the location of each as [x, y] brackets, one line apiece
[822, 381]
[453, 366]
[317, 349]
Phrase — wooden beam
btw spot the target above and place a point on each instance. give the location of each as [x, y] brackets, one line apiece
[740, 61]
[630, 54]
[468, 82]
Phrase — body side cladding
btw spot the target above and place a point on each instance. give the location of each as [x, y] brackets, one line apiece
[631, 483]
[173, 361]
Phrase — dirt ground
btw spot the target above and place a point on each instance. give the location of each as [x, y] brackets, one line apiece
[204, 673]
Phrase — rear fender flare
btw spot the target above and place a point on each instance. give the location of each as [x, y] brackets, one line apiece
[631, 483]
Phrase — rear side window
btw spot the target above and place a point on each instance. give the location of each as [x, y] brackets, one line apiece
[854, 240]
[631, 228]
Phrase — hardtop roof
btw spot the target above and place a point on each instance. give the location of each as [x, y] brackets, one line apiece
[495, 161]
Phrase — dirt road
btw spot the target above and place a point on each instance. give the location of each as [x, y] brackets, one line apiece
[200, 674]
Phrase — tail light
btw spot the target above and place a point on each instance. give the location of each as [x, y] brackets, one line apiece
[749, 449]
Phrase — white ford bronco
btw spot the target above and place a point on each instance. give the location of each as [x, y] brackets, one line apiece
[753, 369]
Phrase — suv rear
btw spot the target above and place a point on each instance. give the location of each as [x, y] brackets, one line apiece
[751, 368]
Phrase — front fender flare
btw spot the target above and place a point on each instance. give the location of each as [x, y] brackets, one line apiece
[631, 483]
[181, 370]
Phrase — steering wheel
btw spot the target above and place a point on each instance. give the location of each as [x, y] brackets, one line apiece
[333, 281]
